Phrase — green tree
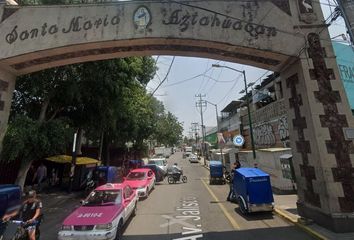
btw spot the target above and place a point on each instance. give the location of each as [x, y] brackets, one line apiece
[169, 130]
[92, 95]
[30, 140]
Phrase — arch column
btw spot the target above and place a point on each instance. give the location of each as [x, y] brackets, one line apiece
[7, 87]
[319, 117]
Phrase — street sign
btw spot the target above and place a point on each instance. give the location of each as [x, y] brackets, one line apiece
[238, 140]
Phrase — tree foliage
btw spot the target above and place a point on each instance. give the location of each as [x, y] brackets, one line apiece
[30, 140]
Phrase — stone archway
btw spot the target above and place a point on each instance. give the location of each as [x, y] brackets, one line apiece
[284, 36]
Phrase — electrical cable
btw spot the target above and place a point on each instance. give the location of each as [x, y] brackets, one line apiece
[212, 86]
[168, 72]
[201, 84]
[232, 88]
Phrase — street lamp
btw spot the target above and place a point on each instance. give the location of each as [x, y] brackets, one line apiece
[217, 126]
[248, 102]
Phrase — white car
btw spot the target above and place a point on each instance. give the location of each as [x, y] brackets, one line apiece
[160, 162]
[193, 159]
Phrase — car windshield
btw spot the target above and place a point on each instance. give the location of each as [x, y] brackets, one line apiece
[157, 162]
[136, 176]
[103, 197]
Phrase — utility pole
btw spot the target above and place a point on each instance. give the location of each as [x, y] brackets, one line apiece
[200, 104]
[347, 9]
[195, 129]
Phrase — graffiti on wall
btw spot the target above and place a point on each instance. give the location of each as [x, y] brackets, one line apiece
[264, 135]
[284, 131]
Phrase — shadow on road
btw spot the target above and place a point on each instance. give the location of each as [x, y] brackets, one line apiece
[255, 216]
[279, 233]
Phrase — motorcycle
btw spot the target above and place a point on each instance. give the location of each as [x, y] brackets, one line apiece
[176, 177]
[16, 230]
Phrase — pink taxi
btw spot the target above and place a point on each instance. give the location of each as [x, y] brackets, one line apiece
[141, 179]
[102, 214]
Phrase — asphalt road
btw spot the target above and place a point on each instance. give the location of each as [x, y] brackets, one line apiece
[192, 210]
[196, 210]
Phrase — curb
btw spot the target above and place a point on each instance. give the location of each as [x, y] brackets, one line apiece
[306, 229]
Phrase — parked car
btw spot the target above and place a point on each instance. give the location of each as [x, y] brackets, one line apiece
[142, 180]
[10, 198]
[193, 159]
[160, 162]
[159, 173]
[102, 214]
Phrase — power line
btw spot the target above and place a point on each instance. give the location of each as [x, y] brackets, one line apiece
[232, 88]
[168, 72]
[196, 76]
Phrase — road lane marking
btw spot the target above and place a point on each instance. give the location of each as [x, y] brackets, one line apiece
[173, 221]
[188, 210]
[222, 207]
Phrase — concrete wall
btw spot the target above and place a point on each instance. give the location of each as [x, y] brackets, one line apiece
[269, 161]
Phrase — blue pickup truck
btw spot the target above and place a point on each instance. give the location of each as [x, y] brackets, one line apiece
[253, 191]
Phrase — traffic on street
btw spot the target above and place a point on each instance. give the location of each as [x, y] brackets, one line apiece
[191, 210]
[176, 120]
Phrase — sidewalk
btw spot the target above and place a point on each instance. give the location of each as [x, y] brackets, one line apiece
[56, 207]
[285, 206]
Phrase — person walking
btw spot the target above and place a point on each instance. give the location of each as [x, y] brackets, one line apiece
[40, 176]
[236, 165]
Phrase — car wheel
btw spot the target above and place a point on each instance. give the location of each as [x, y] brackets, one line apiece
[119, 234]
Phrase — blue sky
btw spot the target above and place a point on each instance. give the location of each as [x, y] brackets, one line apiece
[179, 95]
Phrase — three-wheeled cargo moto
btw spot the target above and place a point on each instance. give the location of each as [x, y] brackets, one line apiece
[253, 191]
[216, 173]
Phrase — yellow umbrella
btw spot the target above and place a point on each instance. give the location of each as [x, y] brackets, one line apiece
[68, 159]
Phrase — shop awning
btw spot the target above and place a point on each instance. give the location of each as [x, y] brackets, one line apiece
[68, 159]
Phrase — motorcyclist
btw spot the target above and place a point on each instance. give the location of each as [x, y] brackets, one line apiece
[29, 213]
[176, 170]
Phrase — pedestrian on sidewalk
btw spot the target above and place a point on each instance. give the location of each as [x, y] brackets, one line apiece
[237, 165]
[40, 176]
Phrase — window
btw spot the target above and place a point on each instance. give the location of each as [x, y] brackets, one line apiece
[106, 197]
[136, 176]
[127, 192]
